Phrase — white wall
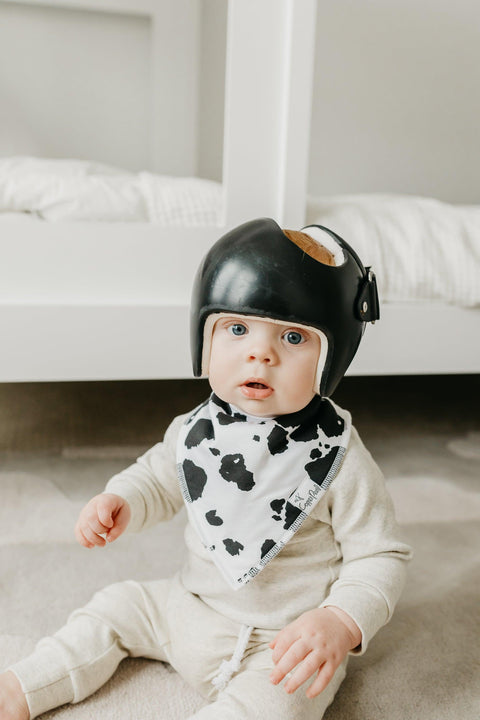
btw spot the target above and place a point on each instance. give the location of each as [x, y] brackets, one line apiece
[74, 84]
[78, 84]
[397, 98]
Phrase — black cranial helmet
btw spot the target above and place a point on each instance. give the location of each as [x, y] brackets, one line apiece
[257, 270]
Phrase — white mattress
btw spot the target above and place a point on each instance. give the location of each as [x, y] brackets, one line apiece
[419, 248]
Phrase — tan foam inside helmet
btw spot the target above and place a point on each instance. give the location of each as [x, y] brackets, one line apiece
[312, 247]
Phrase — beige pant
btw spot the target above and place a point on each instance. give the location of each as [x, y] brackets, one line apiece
[161, 620]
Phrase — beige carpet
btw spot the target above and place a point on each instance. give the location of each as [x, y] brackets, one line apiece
[423, 665]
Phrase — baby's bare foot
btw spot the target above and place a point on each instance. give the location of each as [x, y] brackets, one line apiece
[13, 704]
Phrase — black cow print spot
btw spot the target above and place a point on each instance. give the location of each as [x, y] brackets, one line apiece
[233, 547]
[225, 419]
[305, 416]
[267, 546]
[214, 451]
[315, 453]
[240, 417]
[277, 505]
[233, 469]
[213, 518]
[195, 477]
[277, 440]
[202, 430]
[195, 412]
[256, 438]
[304, 433]
[291, 514]
[318, 468]
[227, 410]
[331, 423]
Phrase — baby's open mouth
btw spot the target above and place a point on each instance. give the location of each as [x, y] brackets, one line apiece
[256, 389]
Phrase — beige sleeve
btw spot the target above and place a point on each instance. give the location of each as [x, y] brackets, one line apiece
[372, 556]
[150, 485]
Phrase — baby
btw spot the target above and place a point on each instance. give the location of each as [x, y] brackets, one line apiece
[293, 554]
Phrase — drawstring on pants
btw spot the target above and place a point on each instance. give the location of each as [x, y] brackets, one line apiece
[229, 667]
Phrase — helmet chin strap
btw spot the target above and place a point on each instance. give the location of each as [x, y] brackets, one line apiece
[208, 333]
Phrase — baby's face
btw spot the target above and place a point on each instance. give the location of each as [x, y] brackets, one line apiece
[265, 368]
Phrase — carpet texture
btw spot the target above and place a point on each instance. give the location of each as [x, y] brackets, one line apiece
[423, 665]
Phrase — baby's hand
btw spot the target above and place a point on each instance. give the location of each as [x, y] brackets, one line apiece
[318, 640]
[104, 514]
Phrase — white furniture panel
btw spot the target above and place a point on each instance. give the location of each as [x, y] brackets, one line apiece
[420, 338]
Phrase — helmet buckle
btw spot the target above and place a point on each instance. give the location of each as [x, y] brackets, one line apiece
[368, 306]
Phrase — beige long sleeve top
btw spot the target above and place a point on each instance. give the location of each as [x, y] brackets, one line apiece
[348, 552]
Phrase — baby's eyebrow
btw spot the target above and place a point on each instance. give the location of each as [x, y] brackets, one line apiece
[296, 328]
[229, 320]
[235, 320]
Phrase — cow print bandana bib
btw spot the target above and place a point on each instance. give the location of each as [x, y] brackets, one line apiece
[249, 482]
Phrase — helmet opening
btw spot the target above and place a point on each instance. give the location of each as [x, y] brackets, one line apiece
[322, 239]
[311, 246]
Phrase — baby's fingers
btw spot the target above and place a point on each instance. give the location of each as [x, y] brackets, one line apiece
[82, 537]
[89, 529]
[324, 676]
[310, 665]
[88, 537]
[105, 511]
[288, 660]
[282, 642]
[121, 520]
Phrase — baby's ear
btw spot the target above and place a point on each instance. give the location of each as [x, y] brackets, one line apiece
[312, 247]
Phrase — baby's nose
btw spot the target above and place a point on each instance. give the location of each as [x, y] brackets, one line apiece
[263, 351]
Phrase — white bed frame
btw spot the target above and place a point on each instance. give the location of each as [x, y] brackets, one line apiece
[99, 301]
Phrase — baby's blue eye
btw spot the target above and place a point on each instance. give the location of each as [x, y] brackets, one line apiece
[294, 338]
[238, 329]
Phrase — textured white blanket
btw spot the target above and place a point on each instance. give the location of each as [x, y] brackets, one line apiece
[76, 190]
[419, 248]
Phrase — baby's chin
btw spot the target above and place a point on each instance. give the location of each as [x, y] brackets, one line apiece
[258, 408]
[268, 408]
[273, 408]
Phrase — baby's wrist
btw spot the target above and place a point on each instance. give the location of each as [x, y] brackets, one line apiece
[351, 626]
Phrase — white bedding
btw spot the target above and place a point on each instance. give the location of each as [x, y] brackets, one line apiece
[76, 190]
[419, 248]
